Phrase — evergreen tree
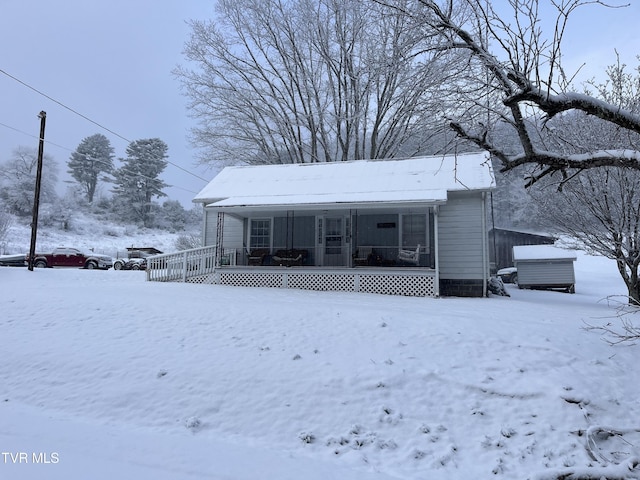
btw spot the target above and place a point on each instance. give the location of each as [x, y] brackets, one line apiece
[137, 181]
[93, 156]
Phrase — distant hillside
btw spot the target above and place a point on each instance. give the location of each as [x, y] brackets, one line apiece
[87, 231]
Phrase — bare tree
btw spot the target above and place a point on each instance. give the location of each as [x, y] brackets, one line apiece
[600, 209]
[311, 81]
[5, 224]
[522, 69]
[18, 180]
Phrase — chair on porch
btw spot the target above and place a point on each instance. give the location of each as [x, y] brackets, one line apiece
[257, 256]
[410, 256]
[362, 256]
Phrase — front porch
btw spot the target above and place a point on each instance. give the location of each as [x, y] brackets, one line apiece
[210, 265]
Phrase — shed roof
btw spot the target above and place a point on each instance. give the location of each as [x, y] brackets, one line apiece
[414, 180]
[541, 253]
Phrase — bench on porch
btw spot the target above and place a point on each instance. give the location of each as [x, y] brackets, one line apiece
[288, 258]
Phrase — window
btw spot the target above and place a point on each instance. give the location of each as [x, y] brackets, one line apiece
[260, 233]
[414, 231]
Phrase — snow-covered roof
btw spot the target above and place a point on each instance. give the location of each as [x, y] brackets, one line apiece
[414, 180]
[542, 252]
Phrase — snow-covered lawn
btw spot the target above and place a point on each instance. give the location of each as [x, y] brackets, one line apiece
[105, 375]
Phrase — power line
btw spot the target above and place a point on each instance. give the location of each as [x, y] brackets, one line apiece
[63, 105]
[83, 154]
[90, 120]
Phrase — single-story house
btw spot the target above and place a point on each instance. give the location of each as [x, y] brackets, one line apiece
[414, 226]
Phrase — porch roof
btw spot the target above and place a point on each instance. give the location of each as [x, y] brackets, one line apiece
[424, 180]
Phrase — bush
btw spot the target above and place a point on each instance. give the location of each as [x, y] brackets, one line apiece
[187, 242]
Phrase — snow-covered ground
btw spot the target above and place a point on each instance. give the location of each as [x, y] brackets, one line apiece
[104, 375]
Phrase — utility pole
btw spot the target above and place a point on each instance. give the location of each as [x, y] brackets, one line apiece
[36, 198]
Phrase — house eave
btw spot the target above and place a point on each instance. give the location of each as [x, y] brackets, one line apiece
[330, 206]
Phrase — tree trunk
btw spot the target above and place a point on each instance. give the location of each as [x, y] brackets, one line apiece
[634, 294]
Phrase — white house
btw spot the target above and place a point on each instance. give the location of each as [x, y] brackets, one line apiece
[410, 227]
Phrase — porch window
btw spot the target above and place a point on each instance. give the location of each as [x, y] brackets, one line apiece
[260, 233]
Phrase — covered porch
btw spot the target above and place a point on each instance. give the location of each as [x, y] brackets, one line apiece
[388, 250]
[202, 265]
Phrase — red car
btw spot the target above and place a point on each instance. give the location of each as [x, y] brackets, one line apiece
[71, 257]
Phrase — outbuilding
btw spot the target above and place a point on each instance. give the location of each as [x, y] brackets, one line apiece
[545, 267]
[502, 241]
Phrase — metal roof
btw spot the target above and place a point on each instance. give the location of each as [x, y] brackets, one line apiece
[362, 182]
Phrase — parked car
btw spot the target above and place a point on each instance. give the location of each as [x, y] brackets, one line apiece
[508, 275]
[134, 264]
[71, 257]
[135, 253]
[19, 260]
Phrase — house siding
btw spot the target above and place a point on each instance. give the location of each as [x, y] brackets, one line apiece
[462, 245]
[232, 233]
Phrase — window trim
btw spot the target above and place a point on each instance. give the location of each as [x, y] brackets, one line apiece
[250, 236]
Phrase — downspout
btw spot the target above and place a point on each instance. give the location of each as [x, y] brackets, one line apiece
[436, 251]
[485, 265]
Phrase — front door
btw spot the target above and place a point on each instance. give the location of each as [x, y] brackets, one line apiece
[334, 242]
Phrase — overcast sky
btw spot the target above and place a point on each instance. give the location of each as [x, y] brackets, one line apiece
[112, 61]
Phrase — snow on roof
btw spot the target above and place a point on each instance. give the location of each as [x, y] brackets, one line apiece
[420, 179]
[541, 252]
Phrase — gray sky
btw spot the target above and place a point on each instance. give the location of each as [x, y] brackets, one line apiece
[112, 60]
[108, 60]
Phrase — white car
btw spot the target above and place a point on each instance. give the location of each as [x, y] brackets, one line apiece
[508, 275]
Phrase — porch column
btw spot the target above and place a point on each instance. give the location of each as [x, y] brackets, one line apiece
[436, 252]
[219, 235]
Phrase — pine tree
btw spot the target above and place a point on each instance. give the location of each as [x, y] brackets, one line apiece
[93, 156]
[137, 181]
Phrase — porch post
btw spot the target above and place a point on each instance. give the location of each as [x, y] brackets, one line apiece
[436, 252]
[219, 235]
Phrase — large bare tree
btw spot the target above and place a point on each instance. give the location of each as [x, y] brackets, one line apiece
[524, 85]
[303, 81]
[600, 208]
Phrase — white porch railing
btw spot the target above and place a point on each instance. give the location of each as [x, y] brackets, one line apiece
[180, 266]
[204, 265]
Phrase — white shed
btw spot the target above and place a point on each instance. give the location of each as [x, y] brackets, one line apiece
[545, 267]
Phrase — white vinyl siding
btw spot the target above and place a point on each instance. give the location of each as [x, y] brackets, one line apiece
[462, 237]
[556, 272]
[232, 233]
